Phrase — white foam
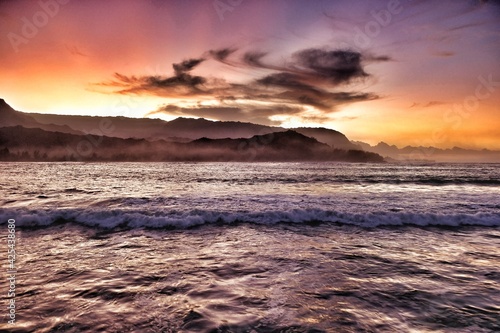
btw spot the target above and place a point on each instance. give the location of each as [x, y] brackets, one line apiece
[131, 218]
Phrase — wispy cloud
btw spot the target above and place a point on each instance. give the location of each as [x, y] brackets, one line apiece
[180, 84]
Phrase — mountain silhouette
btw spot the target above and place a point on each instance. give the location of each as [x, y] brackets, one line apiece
[11, 117]
[178, 130]
[18, 143]
[148, 132]
[431, 154]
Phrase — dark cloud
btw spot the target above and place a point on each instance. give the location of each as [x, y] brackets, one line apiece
[221, 54]
[254, 59]
[335, 66]
[182, 83]
[491, 2]
[339, 66]
[299, 92]
[311, 77]
[286, 80]
[179, 85]
[179, 80]
[186, 65]
[370, 57]
[331, 100]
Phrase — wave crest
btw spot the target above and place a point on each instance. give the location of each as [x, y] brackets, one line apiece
[129, 218]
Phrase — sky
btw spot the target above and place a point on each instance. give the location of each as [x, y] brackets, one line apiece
[408, 72]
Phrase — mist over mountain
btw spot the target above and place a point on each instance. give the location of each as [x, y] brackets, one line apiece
[33, 144]
[140, 135]
[40, 137]
[431, 154]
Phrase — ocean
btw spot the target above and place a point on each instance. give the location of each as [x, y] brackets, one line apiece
[251, 247]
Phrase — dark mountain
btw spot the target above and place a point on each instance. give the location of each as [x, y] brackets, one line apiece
[198, 128]
[184, 130]
[281, 146]
[277, 146]
[11, 117]
[119, 127]
[332, 138]
[178, 130]
[381, 148]
[19, 143]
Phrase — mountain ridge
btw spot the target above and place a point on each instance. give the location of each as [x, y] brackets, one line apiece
[180, 129]
[18, 143]
[430, 154]
[183, 130]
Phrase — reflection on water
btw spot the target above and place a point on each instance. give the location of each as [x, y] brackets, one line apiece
[263, 276]
[257, 278]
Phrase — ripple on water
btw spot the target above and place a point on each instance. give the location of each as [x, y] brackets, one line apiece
[246, 278]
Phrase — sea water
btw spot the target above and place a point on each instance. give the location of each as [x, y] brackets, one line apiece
[253, 247]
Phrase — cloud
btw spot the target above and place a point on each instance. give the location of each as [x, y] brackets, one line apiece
[295, 90]
[339, 66]
[248, 113]
[221, 54]
[186, 65]
[426, 105]
[254, 59]
[174, 86]
[181, 84]
[313, 64]
[492, 2]
[433, 103]
[444, 54]
[311, 77]
[286, 80]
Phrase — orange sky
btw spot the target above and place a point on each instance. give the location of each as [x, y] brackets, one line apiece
[419, 73]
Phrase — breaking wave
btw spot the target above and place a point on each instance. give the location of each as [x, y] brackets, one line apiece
[137, 218]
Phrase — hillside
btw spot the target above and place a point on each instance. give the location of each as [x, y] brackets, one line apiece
[32, 144]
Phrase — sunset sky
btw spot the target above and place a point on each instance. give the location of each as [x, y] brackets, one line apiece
[404, 72]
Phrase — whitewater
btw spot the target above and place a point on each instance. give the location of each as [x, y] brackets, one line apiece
[181, 195]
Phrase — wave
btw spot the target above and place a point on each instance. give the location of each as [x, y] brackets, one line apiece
[368, 180]
[135, 218]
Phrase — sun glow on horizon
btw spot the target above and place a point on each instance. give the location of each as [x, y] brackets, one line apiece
[279, 64]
